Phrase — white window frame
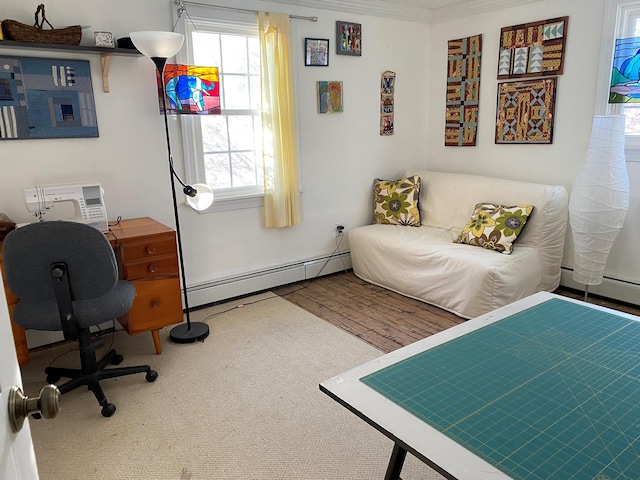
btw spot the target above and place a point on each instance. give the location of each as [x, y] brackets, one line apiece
[224, 199]
[619, 22]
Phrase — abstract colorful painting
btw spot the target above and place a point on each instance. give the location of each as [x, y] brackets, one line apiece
[525, 111]
[191, 90]
[349, 38]
[329, 97]
[387, 89]
[463, 91]
[625, 74]
[533, 49]
[46, 98]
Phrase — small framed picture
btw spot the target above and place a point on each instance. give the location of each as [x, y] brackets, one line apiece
[104, 39]
[349, 38]
[316, 52]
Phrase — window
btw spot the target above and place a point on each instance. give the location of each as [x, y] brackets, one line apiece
[224, 151]
[622, 21]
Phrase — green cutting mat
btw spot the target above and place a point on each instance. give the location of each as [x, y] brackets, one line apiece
[552, 392]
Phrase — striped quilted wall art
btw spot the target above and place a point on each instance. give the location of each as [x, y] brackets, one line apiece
[463, 91]
[533, 49]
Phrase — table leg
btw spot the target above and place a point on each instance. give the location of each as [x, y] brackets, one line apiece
[395, 463]
[156, 341]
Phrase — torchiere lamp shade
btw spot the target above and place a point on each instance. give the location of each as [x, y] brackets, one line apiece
[157, 44]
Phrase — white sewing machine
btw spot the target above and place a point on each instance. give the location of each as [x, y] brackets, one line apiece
[76, 202]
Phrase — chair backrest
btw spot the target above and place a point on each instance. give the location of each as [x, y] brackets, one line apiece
[29, 251]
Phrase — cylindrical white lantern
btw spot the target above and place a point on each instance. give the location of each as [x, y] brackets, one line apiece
[599, 199]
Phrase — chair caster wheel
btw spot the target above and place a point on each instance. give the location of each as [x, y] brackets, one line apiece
[117, 359]
[108, 410]
[151, 376]
[51, 379]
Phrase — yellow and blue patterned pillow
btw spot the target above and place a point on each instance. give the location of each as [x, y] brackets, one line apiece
[495, 227]
[396, 202]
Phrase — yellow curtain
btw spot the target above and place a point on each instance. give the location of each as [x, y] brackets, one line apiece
[281, 179]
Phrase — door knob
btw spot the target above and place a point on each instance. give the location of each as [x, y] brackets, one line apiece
[47, 404]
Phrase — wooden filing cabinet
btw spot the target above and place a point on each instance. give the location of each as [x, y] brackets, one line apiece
[146, 252]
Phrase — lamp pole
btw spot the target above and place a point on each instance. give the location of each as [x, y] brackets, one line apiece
[191, 331]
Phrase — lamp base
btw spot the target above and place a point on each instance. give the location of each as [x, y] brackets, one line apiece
[185, 333]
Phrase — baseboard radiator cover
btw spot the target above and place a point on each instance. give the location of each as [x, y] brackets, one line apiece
[244, 284]
[617, 289]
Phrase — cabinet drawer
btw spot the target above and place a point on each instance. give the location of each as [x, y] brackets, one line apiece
[152, 267]
[156, 246]
[158, 303]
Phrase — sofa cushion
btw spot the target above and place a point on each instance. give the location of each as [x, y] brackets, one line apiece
[495, 227]
[396, 202]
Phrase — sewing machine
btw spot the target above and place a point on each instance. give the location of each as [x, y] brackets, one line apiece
[76, 202]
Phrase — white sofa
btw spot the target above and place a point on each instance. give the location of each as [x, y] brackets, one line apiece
[424, 263]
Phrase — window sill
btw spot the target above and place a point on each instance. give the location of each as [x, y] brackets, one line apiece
[225, 204]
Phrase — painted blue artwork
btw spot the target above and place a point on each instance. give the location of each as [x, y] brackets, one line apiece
[46, 98]
[625, 75]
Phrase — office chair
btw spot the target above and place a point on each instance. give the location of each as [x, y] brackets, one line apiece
[66, 278]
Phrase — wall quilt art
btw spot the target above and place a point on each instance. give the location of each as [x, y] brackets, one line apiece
[191, 90]
[533, 49]
[387, 89]
[525, 111]
[348, 38]
[625, 74]
[463, 91]
[46, 98]
[329, 97]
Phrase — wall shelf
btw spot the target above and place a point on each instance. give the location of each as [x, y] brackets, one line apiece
[105, 53]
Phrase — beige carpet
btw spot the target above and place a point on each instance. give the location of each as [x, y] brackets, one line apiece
[244, 404]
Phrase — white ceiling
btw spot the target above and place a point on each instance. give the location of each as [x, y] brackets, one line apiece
[422, 11]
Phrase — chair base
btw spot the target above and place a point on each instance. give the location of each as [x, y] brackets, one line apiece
[92, 372]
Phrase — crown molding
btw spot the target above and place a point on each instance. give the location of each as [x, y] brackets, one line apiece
[381, 8]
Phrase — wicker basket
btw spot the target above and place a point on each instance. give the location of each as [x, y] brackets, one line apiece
[20, 32]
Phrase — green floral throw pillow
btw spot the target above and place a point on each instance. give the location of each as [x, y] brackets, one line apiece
[495, 227]
[396, 202]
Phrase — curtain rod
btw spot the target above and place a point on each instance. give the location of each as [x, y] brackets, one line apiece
[182, 4]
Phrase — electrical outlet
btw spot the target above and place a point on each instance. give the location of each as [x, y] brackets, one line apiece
[339, 229]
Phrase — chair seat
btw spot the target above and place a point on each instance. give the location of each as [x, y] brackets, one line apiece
[45, 316]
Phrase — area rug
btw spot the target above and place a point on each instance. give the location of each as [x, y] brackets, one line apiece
[243, 404]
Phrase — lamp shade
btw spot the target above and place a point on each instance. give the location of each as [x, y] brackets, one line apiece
[599, 199]
[203, 198]
[157, 44]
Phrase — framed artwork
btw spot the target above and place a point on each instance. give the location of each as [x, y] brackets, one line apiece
[104, 39]
[463, 91]
[316, 52]
[46, 98]
[625, 72]
[349, 38]
[533, 49]
[329, 97]
[525, 111]
[190, 89]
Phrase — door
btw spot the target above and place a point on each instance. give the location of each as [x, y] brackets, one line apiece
[17, 457]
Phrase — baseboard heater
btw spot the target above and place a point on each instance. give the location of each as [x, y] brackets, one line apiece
[235, 286]
[615, 288]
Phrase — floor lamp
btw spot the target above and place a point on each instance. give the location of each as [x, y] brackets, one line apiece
[160, 46]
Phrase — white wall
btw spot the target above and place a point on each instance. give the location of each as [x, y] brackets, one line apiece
[340, 153]
[558, 163]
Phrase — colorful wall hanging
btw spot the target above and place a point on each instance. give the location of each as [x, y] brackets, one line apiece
[463, 91]
[191, 90]
[525, 111]
[46, 98]
[349, 38]
[533, 49]
[329, 97]
[387, 89]
[625, 74]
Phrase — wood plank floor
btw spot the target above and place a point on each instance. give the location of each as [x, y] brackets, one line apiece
[381, 317]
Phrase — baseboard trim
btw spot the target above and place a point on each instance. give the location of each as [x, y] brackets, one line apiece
[239, 285]
[617, 289]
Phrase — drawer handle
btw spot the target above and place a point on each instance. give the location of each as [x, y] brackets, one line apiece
[151, 249]
[153, 268]
[155, 303]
